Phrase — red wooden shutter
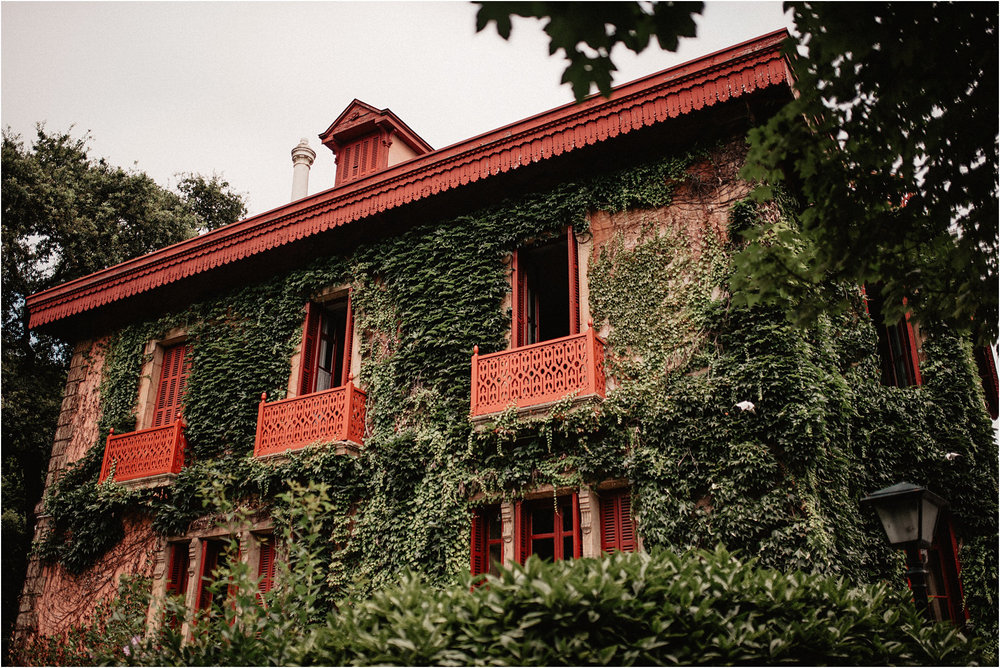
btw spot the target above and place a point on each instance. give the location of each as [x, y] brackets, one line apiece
[177, 582]
[577, 542]
[522, 533]
[617, 528]
[265, 569]
[209, 560]
[519, 303]
[310, 349]
[479, 564]
[574, 282]
[173, 381]
[345, 371]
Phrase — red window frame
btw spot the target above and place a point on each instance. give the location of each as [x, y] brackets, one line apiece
[524, 302]
[174, 371]
[526, 534]
[265, 568]
[617, 527]
[312, 340]
[177, 574]
[897, 344]
[486, 538]
[213, 556]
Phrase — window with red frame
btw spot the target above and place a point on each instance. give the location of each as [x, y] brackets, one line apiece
[327, 336]
[213, 559]
[177, 574]
[360, 158]
[548, 530]
[897, 344]
[944, 583]
[617, 529]
[170, 389]
[487, 541]
[545, 285]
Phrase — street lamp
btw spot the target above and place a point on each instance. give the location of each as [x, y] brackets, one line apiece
[909, 516]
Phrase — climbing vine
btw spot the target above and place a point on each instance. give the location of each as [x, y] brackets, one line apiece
[781, 482]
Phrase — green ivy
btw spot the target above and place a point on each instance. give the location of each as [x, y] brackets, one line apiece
[685, 346]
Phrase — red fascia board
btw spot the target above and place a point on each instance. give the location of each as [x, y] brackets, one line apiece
[712, 79]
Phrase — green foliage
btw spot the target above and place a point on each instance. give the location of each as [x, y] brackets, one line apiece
[212, 201]
[782, 482]
[587, 33]
[697, 607]
[111, 633]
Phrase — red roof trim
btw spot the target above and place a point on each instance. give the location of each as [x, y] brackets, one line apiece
[704, 82]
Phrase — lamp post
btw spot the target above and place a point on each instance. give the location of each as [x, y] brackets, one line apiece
[909, 515]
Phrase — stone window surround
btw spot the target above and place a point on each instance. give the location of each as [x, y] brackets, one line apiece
[250, 536]
[590, 517]
[150, 375]
[325, 296]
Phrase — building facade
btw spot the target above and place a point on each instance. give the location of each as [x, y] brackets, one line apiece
[521, 344]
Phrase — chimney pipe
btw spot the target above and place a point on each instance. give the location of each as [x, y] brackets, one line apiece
[302, 160]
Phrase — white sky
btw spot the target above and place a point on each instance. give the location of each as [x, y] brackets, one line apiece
[231, 87]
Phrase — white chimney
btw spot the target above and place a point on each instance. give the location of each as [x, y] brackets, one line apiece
[302, 160]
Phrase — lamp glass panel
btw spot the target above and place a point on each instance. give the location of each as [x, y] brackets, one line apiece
[930, 516]
[900, 519]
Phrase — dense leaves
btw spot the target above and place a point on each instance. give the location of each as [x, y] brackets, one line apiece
[880, 120]
[65, 215]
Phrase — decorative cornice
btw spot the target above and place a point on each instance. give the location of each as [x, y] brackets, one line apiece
[654, 99]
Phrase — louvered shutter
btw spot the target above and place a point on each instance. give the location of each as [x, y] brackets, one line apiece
[522, 533]
[478, 564]
[177, 582]
[574, 282]
[577, 542]
[265, 568]
[519, 303]
[617, 528]
[310, 349]
[345, 366]
[373, 162]
[173, 381]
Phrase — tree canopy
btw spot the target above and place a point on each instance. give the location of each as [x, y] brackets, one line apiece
[888, 153]
[66, 215]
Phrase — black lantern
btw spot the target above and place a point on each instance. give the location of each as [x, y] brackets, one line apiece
[909, 516]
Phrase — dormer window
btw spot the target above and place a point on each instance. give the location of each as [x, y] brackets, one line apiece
[365, 140]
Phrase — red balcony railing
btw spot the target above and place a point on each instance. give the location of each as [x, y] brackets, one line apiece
[145, 453]
[538, 374]
[331, 415]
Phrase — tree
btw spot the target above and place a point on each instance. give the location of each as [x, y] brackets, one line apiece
[66, 215]
[888, 155]
[211, 200]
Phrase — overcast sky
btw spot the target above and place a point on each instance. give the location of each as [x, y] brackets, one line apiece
[230, 87]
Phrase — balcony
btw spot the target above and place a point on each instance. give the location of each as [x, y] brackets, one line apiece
[531, 378]
[145, 458]
[332, 416]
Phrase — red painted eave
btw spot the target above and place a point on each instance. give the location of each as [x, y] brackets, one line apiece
[657, 98]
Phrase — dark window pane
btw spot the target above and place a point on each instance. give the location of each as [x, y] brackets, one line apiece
[568, 547]
[542, 519]
[544, 548]
[494, 527]
[496, 559]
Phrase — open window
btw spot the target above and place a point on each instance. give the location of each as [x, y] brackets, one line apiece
[946, 600]
[214, 558]
[487, 541]
[545, 288]
[550, 530]
[617, 528]
[897, 344]
[265, 567]
[327, 341]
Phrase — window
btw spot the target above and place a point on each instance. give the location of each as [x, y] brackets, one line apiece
[177, 575]
[214, 557]
[617, 529]
[944, 582]
[545, 289]
[897, 344]
[550, 530]
[327, 338]
[487, 541]
[360, 158]
[174, 370]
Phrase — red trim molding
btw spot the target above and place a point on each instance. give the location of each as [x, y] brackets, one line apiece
[701, 83]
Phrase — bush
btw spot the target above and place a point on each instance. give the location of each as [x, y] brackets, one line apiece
[698, 607]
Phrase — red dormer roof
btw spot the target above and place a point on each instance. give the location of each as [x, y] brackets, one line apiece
[714, 79]
[361, 119]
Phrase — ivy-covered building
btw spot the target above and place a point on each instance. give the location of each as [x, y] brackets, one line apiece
[521, 344]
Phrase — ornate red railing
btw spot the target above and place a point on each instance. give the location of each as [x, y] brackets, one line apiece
[538, 374]
[331, 415]
[145, 453]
